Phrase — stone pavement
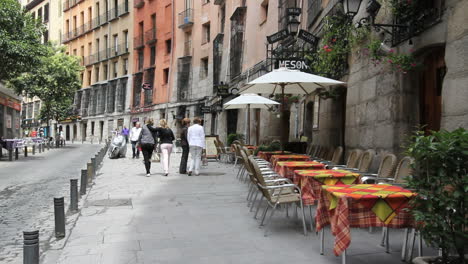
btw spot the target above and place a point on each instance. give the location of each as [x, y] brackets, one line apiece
[129, 218]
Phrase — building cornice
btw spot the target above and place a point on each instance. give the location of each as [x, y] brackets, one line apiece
[33, 4]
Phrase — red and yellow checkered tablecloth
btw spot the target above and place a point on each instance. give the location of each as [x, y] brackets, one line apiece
[266, 155]
[286, 168]
[311, 181]
[289, 157]
[362, 205]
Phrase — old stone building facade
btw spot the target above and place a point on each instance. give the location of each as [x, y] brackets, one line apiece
[380, 107]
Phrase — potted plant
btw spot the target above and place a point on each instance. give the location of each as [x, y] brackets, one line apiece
[232, 137]
[441, 181]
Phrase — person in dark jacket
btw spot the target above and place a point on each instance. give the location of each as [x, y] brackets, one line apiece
[147, 143]
[185, 146]
[166, 138]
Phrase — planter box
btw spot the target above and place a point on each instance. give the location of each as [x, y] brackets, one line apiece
[425, 260]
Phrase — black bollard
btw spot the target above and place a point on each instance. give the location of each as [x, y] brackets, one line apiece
[90, 170]
[40, 147]
[59, 210]
[34, 149]
[10, 154]
[16, 153]
[25, 151]
[31, 247]
[74, 194]
[84, 181]
[48, 145]
[93, 161]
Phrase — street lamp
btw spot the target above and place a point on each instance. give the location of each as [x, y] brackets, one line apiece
[293, 25]
[351, 7]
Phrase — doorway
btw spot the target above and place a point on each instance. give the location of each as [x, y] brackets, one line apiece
[231, 116]
[430, 89]
[67, 132]
[85, 127]
[74, 131]
[309, 120]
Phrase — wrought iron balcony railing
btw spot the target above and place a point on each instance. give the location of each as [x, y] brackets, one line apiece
[186, 18]
[139, 3]
[138, 42]
[123, 8]
[150, 36]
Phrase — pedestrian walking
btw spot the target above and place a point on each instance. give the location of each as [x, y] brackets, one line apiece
[185, 146]
[166, 138]
[125, 132]
[134, 135]
[147, 142]
[196, 140]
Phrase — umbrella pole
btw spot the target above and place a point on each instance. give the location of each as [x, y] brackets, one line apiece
[248, 124]
[282, 117]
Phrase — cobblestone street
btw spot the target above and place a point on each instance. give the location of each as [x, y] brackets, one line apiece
[27, 189]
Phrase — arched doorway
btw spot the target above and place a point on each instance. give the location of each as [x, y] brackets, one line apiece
[67, 132]
[75, 131]
[430, 89]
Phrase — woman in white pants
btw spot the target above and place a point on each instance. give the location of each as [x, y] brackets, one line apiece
[196, 140]
[166, 137]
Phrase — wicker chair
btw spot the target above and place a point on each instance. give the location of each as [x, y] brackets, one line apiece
[386, 169]
[364, 162]
[351, 161]
[402, 171]
[280, 193]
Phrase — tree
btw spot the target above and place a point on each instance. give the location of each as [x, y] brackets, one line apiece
[55, 82]
[20, 40]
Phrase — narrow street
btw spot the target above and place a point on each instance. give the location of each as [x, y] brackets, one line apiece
[27, 189]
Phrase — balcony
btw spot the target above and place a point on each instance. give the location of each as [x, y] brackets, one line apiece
[417, 20]
[186, 18]
[138, 42]
[113, 14]
[66, 37]
[123, 9]
[150, 36]
[139, 3]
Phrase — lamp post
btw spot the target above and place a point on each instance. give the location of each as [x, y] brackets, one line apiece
[293, 25]
[351, 7]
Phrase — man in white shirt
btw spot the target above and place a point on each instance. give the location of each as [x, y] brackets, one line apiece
[134, 135]
[196, 140]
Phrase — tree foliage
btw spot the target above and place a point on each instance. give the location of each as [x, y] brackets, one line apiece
[20, 40]
[54, 82]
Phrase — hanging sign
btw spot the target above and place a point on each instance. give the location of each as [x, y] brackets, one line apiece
[222, 90]
[280, 35]
[307, 37]
[293, 64]
[206, 109]
[293, 11]
[146, 86]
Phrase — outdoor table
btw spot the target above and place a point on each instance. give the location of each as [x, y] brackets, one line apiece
[288, 157]
[286, 168]
[361, 205]
[311, 181]
[266, 155]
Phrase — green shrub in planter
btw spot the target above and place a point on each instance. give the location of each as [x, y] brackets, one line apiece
[441, 180]
[232, 137]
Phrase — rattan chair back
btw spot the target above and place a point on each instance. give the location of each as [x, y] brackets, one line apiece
[366, 160]
[404, 169]
[387, 166]
[353, 158]
[337, 155]
[259, 180]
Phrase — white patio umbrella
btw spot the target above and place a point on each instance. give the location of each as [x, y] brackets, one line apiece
[285, 81]
[249, 101]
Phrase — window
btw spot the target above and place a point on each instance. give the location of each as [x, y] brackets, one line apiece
[125, 66]
[39, 14]
[74, 23]
[67, 23]
[223, 18]
[116, 44]
[106, 68]
[89, 78]
[90, 47]
[82, 53]
[33, 15]
[82, 18]
[168, 46]
[46, 13]
[126, 40]
[46, 36]
[96, 72]
[141, 59]
[166, 76]
[82, 77]
[264, 11]
[206, 33]
[204, 68]
[115, 68]
[74, 52]
[97, 45]
[152, 55]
